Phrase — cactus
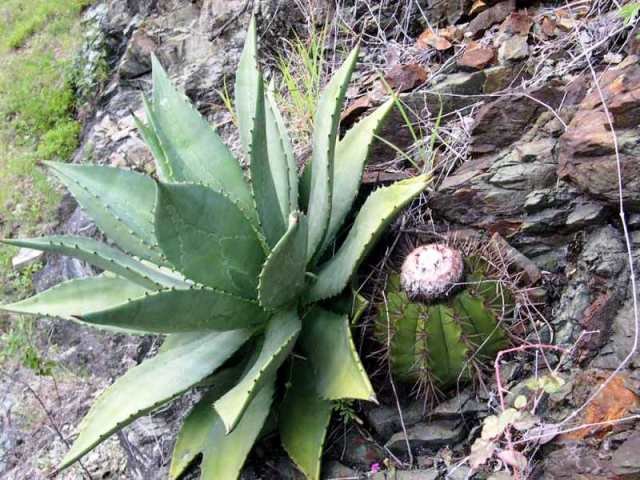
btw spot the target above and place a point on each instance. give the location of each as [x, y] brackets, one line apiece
[442, 317]
[230, 270]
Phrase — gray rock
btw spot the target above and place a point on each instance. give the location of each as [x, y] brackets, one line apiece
[513, 48]
[385, 419]
[585, 214]
[426, 436]
[26, 257]
[359, 451]
[625, 459]
[428, 474]
[333, 470]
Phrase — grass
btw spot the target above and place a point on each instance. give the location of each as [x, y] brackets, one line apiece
[301, 69]
[38, 41]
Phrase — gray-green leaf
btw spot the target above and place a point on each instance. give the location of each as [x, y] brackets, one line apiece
[280, 336]
[282, 279]
[207, 238]
[376, 213]
[151, 384]
[325, 134]
[326, 339]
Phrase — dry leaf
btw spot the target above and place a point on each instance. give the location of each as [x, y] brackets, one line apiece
[477, 57]
[514, 459]
[429, 38]
[406, 77]
[477, 7]
[481, 451]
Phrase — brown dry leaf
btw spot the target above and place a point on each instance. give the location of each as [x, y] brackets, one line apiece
[354, 110]
[452, 33]
[429, 38]
[477, 7]
[476, 56]
[566, 23]
[518, 22]
[613, 403]
[405, 77]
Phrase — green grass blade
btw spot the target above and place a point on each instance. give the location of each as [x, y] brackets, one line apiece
[325, 134]
[280, 336]
[285, 266]
[326, 339]
[176, 311]
[207, 238]
[376, 213]
[102, 256]
[193, 150]
[120, 201]
[150, 385]
[303, 422]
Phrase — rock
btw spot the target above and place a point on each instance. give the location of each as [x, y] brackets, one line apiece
[333, 470]
[459, 472]
[359, 450]
[477, 58]
[576, 461]
[513, 48]
[503, 121]
[427, 436]
[428, 474]
[625, 459]
[595, 292]
[137, 58]
[385, 419]
[587, 150]
[26, 257]
[494, 14]
[585, 214]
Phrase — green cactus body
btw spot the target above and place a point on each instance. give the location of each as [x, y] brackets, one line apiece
[437, 342]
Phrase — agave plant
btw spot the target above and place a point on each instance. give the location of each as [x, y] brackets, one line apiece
[442, 318]
[231, 270]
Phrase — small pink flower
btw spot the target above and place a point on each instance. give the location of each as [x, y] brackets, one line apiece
[375, 468]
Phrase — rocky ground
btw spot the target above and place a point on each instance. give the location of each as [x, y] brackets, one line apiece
[523, 98]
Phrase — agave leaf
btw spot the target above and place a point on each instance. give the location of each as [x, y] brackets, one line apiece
[376, 213]
[206, 237]
[119, 201]
[326, 339]
[283, 274]
[148, 133]
[268, 175]
[222, 454]
[280, 336]
[193, 150]
[447, 353]
[479, 324]
[151, 384]
[179, 311]
[277, 157]
[287, 148]
[104, 257]
[193, 437]
[325, 134]
[351, 155]
[178, 339]
[303, 421]
[77, 297]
